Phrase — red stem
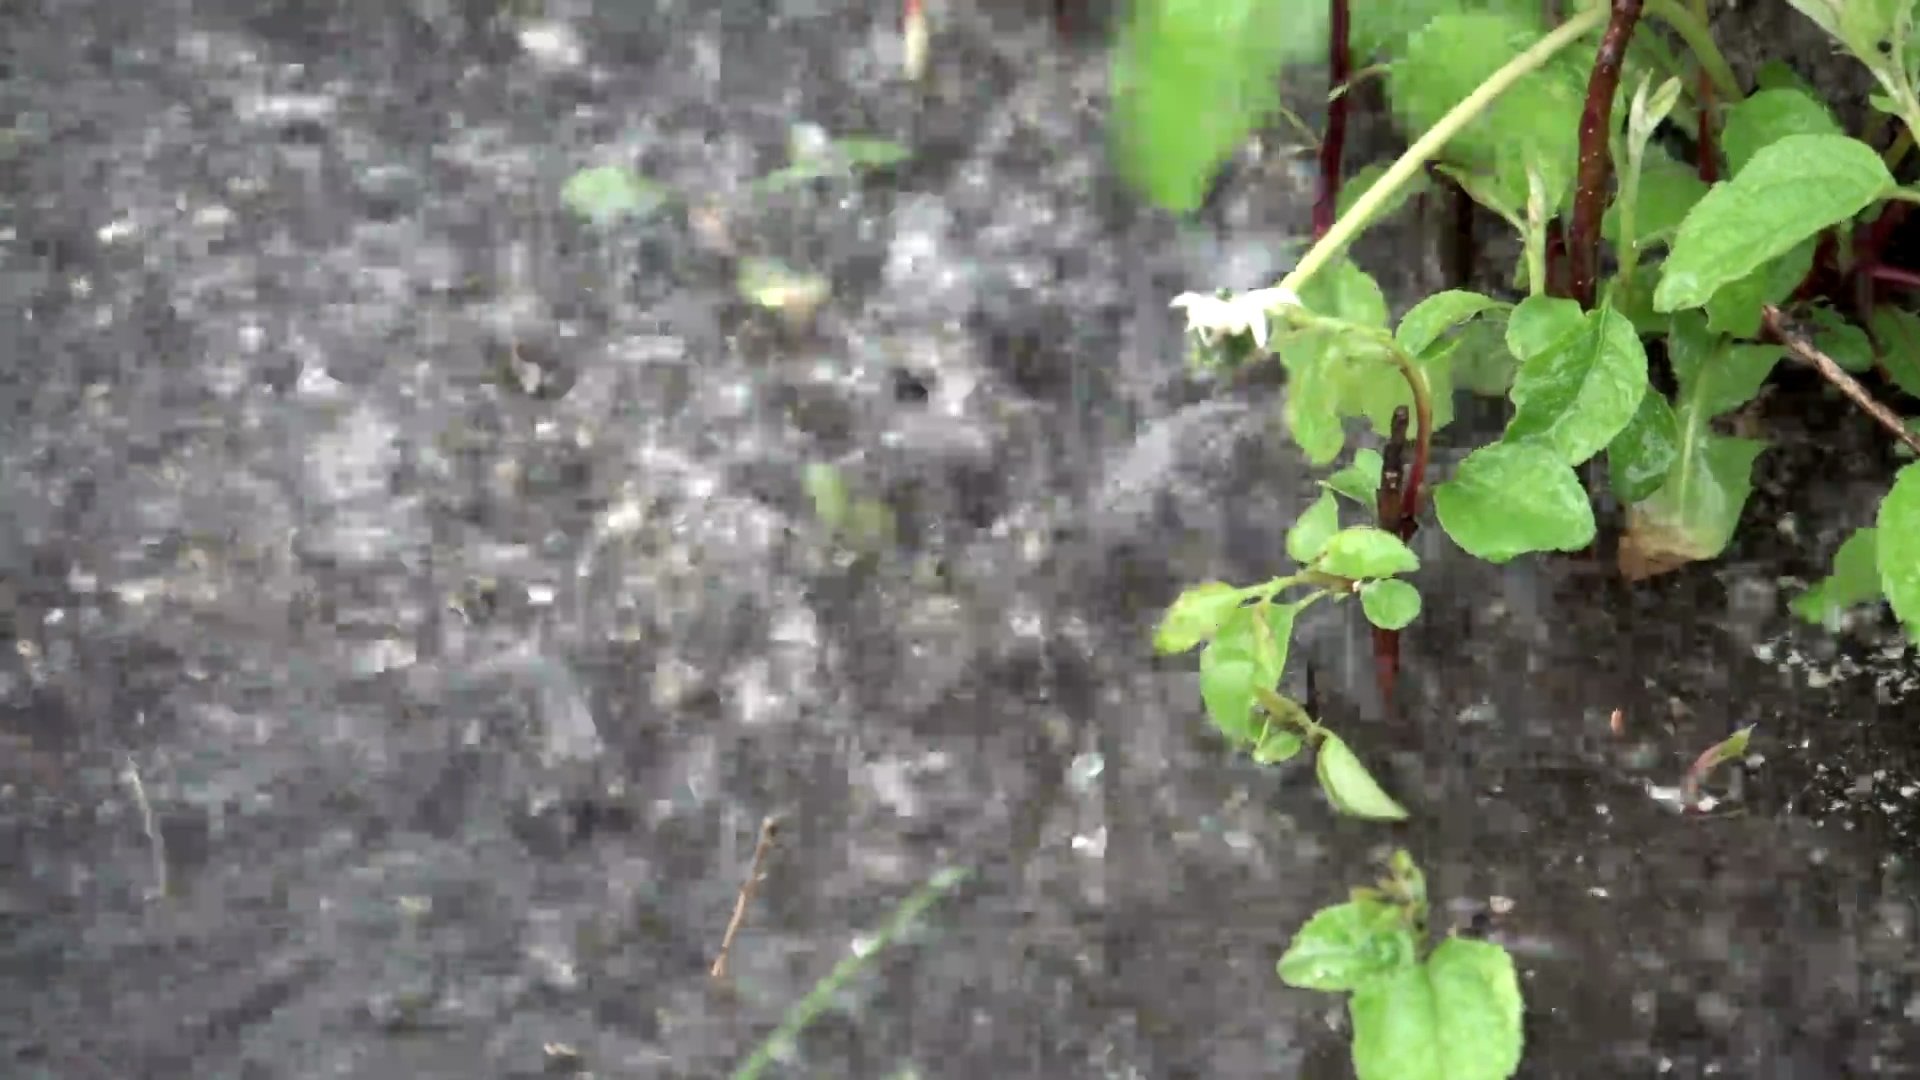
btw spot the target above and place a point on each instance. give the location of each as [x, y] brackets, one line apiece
[1596, 156]
[1894, 275]
[1333, 145]
[1709, 164]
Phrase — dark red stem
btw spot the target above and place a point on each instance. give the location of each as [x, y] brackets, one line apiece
[1326, 201]
[1894, 275]
[1596, 155]
[1390, 506]
[1709, 164]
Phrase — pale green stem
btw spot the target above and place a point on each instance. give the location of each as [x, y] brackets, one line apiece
[1536, 233]
[1694, 31]
[1426, 146]
[1629, 253]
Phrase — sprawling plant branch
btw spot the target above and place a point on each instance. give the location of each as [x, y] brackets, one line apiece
[1333, 144]
[1390, 506]
[1806, 352]
[1596, 157]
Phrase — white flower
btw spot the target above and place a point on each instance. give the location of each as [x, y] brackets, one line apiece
[1213, 317]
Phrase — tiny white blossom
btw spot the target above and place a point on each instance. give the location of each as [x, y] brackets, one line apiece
[1213, 317]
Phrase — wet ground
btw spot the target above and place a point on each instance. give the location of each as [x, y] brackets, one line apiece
[415, 603]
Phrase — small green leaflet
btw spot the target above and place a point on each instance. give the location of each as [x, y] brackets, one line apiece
[1246, 656]
[1769, 116]
[1455, 1017]
[1899, 542]
[1363, 552]
[1715, 375]
[1359, 481]
[1313, 529]
[1508, 499]
[1328, 369]
[1735, 309]
[1855, 580]
[1846, 343]
[1195, 616]
[1693, 515]
[605, 194]
[1582, 390]
[1390, 603]
[1639, 457]
[1482, 363]
[1792, 189]
[1346, 946]
[1668, 190]
[1898, 333]
[1437, 314]
[1349, 786]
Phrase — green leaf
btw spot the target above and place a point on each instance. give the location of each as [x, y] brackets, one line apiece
[1196, 615]
[1898, 334]
[1792, 189]
[864, 153]
[1390, 603]
[1899, 541]
[1363, 552]
[1582, 390]
[606, 194]
[1769, 116]
[1668, 190]
[1360, 480]
[1331, 370]
[1693, 515]
[1192, 78]
[1777, 74]
[1455, 1017]
[827, 489]
[1536, 120]
[1341, 290]
[1277, 746]
[1735, 309]
[1349, 786]
[1345, 946]
[773, 285]
[1481, 360]
[1639, 457]
[1539, 322]
[1848, 344]
[1313, 529]
[1715, 375]
[1437, 314]
[1509, 499]
[1855, 580]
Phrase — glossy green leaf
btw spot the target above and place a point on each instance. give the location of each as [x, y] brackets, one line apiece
[1330, 370]
[1192, 78]
[1539, 322]
[1278, 746]
[1482, 362]
[1899, 547]
[1196, 615]
[1855, 580]
[1639, 458]
[1364, 552]
[1346, 946]
[1769, 116]
[605, 194]
[1735, 309]
[1582, 390]
[1898, 334]
[1509, 499]
[1349, 786]
[1390, 603]
[1242, 656]
[1455, 1017]
[1437, 314]
[1846, 342]
[1360, 480]
[1341, 290]
[1313, 529]
[1791, 190]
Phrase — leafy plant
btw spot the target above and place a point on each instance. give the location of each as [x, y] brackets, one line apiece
[1450, 1012]
[1775, 241]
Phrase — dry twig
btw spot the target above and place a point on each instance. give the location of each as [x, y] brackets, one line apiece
[1807, 353]
[769, 828]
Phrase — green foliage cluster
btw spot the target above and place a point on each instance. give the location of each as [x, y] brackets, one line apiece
[1705, 275]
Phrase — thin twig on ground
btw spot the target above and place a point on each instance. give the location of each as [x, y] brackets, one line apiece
[769, 828]
[156, 846]
[1830, 369]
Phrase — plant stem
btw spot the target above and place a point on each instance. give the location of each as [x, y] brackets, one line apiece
[1694, 31]
[1535, 234]
[1830, 369]
[1429, 144]
[1339, 69]
[1893, 275]
[1596, 159]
